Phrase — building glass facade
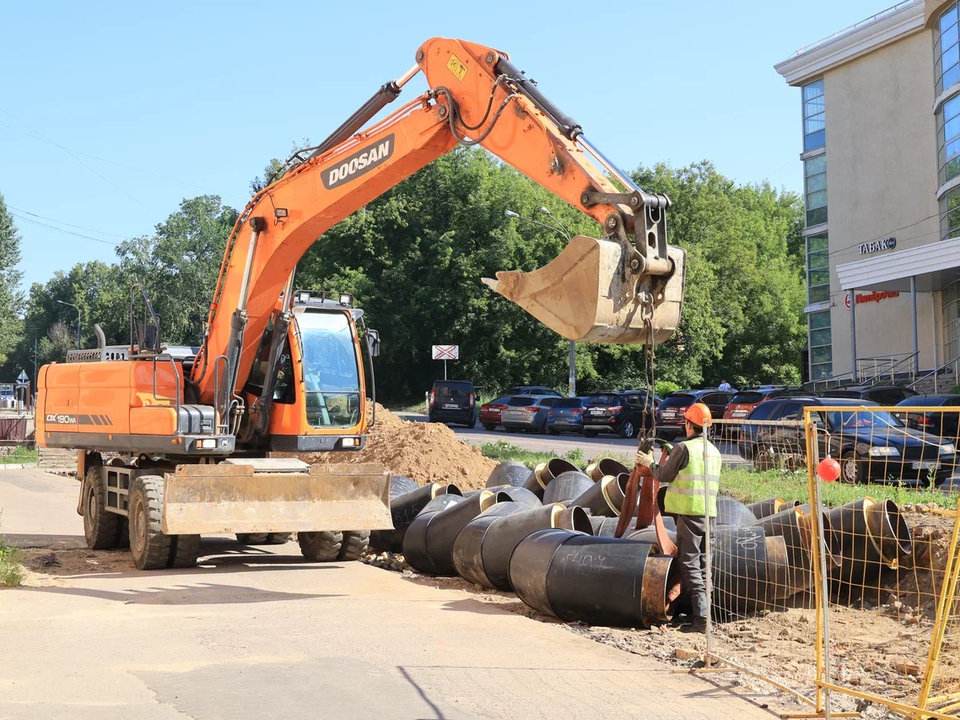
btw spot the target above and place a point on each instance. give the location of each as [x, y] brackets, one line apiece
[814, 125]
[946, 50]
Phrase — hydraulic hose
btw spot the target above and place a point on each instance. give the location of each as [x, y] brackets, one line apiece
[498, 545]
[428, 542]
[543, 473]
[600, 469]
[600, 581]
[566, 486]
[508, 473]
[604, 498]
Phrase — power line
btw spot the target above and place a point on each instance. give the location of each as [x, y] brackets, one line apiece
[120, 165]
[73, 155]
[61, 222]
[64, 230]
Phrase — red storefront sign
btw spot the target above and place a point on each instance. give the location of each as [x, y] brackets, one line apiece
[869, 297]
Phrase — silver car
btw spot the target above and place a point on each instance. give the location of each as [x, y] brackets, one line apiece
[526, 412]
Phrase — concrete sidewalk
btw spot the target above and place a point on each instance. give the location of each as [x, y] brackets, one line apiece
[257, 633]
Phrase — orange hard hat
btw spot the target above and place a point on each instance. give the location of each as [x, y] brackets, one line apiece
[698, 414]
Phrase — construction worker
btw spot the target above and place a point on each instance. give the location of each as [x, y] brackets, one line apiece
[692, 470]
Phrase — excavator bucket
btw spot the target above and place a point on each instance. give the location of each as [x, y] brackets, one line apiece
[584, 295]
[275, 495]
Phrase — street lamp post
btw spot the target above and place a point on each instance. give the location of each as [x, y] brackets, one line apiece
[558, 228]
[78, 319]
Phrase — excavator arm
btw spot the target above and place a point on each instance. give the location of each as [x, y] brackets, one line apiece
[616, 289]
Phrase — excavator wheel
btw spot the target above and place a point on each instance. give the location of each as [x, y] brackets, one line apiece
[355, 544]
[184, 551]
[148, 545]
[278, 538]
[252, 538]
[323, 546]
[99, 524]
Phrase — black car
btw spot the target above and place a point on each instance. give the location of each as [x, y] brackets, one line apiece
[945, 423]
[870, 445]
[886, 395]
[453, 401]
[620, 412]
[670, 420]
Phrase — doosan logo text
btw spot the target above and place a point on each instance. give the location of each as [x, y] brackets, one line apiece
[359, 163]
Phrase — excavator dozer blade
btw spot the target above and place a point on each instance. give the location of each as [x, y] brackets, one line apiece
[227, 498]
[582, 295]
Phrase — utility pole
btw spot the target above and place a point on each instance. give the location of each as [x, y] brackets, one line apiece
[557, 228]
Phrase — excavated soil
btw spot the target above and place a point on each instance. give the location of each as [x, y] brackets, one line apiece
[424, 452]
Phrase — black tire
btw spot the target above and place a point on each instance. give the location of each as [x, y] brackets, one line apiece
[850, 469]
[253, 538]
[589, 433]
[628, 430]
[148, 545]
[489, 427]
[472, 424]
[354, 545]
[99, 524]
[184, 551]
[278, 538]
[323, 546]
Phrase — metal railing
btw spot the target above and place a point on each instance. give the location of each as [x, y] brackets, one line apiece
[937, 372]
[884, 366]
[856, 26]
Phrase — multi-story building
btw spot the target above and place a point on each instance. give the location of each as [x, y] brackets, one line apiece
[880, 114]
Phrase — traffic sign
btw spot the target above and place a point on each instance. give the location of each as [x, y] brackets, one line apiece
[23, 378]
[446, 352]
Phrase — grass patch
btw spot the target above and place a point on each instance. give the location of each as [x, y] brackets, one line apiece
[411, 405]
[11, 572]
[20, 455]
[748, 486]
[504, 451]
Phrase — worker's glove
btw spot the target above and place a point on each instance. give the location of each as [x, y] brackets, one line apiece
[644, 459]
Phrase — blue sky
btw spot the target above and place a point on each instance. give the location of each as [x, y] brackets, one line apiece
[112, 113]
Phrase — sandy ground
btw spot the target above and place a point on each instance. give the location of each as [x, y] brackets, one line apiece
[257, 632]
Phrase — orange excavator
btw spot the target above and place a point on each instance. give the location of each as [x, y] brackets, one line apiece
[175, 442]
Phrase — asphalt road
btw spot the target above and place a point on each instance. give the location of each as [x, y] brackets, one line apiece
[254, 633]
[562, 444]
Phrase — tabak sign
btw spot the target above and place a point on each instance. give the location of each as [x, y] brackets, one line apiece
[870, 297]
[877, 245]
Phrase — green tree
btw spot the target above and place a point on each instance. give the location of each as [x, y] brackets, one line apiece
[11, 299]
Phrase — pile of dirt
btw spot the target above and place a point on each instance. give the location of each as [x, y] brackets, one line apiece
[424, 452]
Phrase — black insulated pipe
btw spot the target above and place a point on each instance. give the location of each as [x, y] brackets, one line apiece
[541, 476]
[600, 581]
[600, 469]
[404, 508]
[766, 508]
[428, 542]
[733, 513]
[508, 473]
[413, 546]
[604, 498]
[508, 532]
[468, 547]
[519, 495]
[750, 571]
[568, 126]
[566, 486]
[793, 525]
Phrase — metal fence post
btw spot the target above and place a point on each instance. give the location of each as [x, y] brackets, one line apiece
[708, 551]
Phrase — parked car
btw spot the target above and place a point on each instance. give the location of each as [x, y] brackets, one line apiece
[527, 412]
[743, 403]
[532, 390]
[670, 422]
[620, 412]
[881, 394]
[566, 415]
[453, 401]
[490, 412]
[870, 445]
[945, 424]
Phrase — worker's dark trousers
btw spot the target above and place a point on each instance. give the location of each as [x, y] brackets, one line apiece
[693, 561]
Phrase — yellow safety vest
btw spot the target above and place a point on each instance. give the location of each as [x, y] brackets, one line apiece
[697, 482]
